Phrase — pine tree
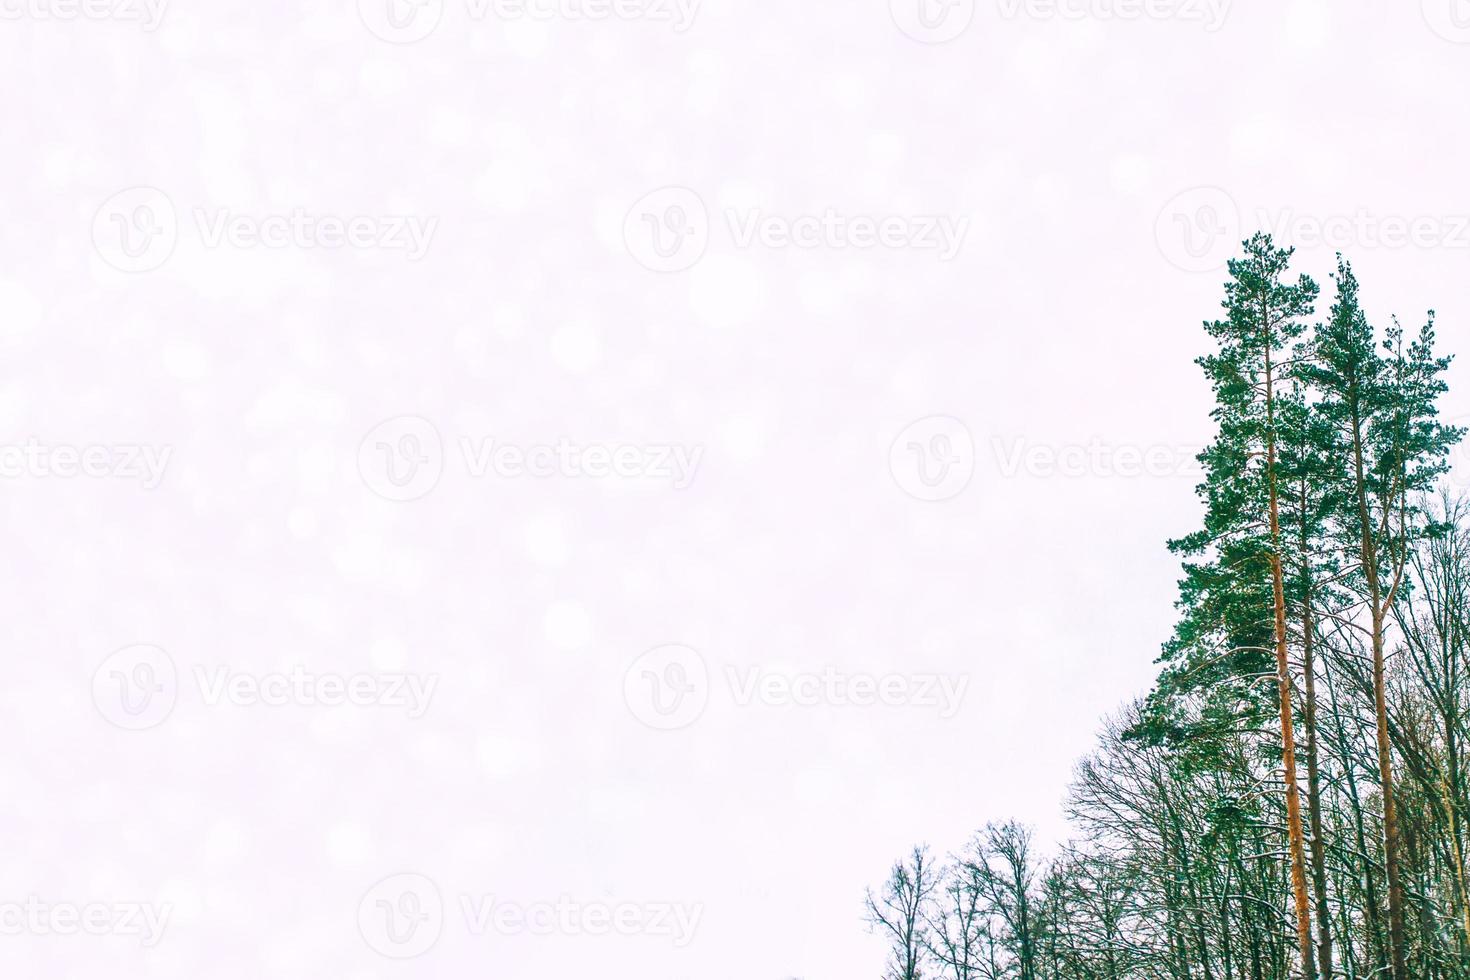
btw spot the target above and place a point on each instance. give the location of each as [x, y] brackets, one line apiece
[1234, 627]
[1380, 406]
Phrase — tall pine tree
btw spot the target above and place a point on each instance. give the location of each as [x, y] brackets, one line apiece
[1234, 632]
[1380, 406]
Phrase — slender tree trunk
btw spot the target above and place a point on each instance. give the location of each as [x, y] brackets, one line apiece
[1225, 950]
[1187, 882]
[1369, 550]
[1370, 889]
[1451, 721]
[1452, 808]
[1314, 777]
[1314, 795]
[1251, 933]
[1390, 808]
[1283, 681]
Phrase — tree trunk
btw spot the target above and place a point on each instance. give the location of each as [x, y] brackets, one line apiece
[1390, 808]
[1314, 795]
[1283, 682]
[1369, 550]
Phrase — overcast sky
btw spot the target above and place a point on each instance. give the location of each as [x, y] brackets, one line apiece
[505, 492]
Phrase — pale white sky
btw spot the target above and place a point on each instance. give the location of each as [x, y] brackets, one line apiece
[522, 444]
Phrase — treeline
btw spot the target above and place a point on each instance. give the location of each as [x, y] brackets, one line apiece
[1291, 798]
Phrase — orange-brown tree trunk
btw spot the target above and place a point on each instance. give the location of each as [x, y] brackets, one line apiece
[1390, 808]
[1309, 717]
[1294, 834]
